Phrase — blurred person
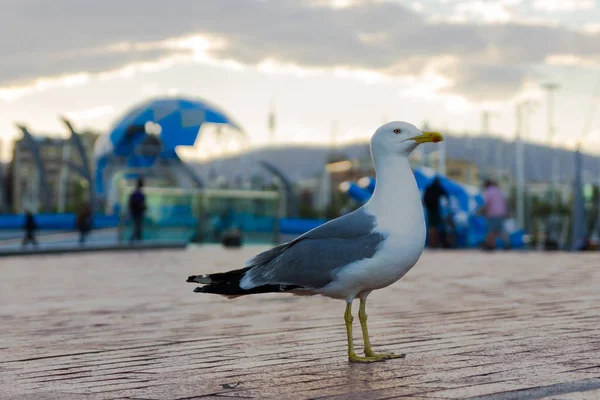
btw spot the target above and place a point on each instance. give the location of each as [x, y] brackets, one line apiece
[84, 222]
[495, 210]
[431, 198]
[137, 209]
[448, 236]
[30, 226]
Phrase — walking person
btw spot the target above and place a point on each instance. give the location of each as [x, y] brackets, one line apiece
[84, 222]
[30, 226]
[431, 198]
[495, 210]
[137, 209]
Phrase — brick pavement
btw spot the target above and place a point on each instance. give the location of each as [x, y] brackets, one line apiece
[126, 326]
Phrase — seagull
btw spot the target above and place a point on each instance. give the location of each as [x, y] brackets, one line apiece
[350, 256]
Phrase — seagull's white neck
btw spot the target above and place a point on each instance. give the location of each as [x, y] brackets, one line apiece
[396, 199]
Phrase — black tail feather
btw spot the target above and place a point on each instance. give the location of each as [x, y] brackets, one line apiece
[228, 284]
[234, 275]
[233, 289]
[219, 277]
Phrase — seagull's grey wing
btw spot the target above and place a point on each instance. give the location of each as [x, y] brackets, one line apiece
[352, 225]
[311, 260]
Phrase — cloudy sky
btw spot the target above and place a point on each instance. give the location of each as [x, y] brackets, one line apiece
[355, 61]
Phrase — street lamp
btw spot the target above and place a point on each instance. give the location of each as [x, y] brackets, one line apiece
[550, 88]
[522, 109]
[486, 116]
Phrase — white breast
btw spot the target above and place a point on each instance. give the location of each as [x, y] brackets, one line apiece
[405, 232]
[396, 205]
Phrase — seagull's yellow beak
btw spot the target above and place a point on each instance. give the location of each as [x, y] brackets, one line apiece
[427, 137]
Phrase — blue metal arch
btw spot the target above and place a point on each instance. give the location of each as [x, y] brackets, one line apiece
[180, 120]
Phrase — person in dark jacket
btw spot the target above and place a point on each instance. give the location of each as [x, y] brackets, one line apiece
[137, 209]
[431, 198]
[84, 222]
[30, 227]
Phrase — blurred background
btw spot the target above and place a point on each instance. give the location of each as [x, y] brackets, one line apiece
[248, 121]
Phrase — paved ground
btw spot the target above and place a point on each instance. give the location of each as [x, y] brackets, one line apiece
[63, 242]
[11, 241]
[127, 326]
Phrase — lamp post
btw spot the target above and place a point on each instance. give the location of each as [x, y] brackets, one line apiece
[272, 124]
[519, 166]
[488, 148]
[578, 212]
[485, 126]
[522, 110]
[550, 88]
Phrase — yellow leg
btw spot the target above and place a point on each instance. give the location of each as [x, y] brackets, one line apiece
[352, 357]
[362, 316]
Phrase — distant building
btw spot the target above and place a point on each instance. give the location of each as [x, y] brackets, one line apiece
[463, 171]
[349, 170]
[24, 174]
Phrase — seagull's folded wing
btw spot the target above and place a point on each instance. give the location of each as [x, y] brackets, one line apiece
[312, 260]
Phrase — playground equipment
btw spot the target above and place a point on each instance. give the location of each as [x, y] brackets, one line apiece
[84, 170]
[41, 186]
[147, 136]
[462, 209]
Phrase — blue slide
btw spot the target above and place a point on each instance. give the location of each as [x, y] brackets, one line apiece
[464, 202]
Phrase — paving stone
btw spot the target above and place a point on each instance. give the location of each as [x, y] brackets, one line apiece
[118, 325]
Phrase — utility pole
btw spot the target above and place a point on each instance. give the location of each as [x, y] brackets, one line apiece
[272, 124]
[469, 149]
[519, 166]
[487, 151]
[484, 154]
[578, 211]
[550, 88]
[333, 135]
[522, 118]
[442, 159]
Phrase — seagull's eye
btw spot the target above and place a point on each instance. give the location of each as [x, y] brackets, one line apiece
[397, 131]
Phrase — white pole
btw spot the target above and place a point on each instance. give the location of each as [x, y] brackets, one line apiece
[272, 125]
[469, 148]
[520, 167]
[442, 160]
[499, 158]
[598, 205]
[485, 153]
[333, 135]
[551, 87]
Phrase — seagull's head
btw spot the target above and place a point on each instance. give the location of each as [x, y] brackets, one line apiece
[401, 138]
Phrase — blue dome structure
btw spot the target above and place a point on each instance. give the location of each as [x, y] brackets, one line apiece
[151, 132]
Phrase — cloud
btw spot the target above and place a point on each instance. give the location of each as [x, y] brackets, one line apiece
[486, 81]
[44, 39]
[563, 5]
[90, 113]
[483, 11]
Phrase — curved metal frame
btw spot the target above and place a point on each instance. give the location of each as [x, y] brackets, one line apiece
[178, 162]
[84, 170]
[291, 200]
[35, 152]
